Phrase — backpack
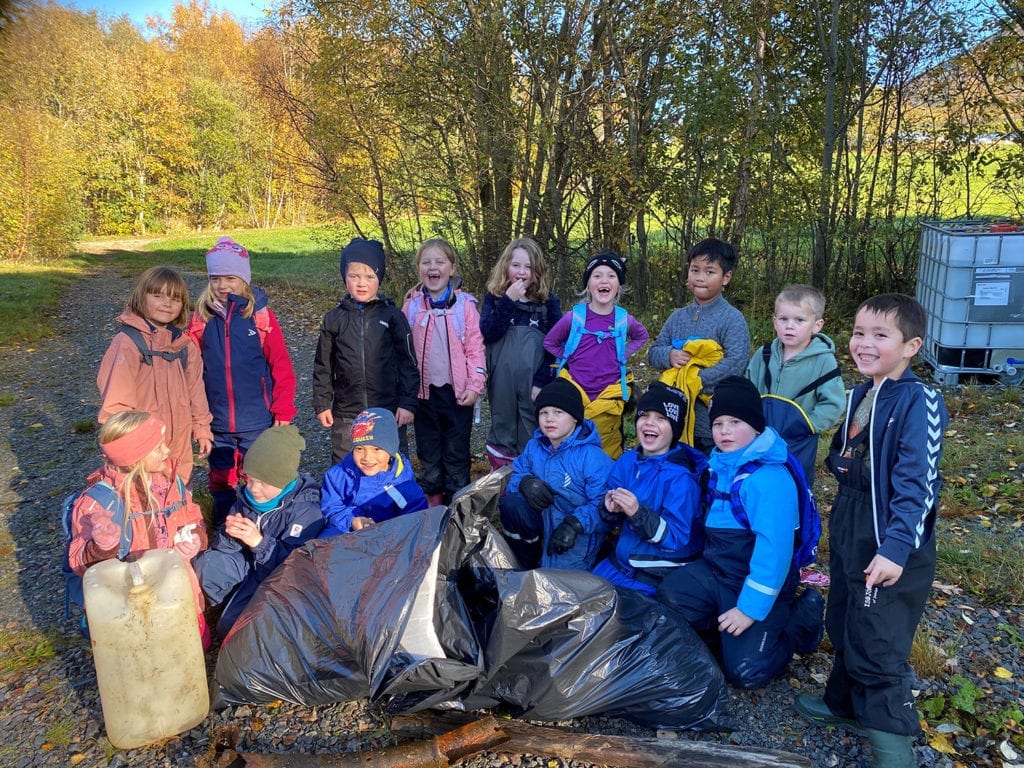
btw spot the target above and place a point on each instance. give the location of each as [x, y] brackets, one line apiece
[458, 319]
[107, 497]
[790, 420]
[618, 332]
[148, 354]
[808, 532]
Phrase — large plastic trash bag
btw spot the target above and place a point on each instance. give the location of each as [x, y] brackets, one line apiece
[427, 610]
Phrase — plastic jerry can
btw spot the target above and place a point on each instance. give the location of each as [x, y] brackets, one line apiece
[146, 647]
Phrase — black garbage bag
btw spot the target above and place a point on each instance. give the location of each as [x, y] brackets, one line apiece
[427, 610]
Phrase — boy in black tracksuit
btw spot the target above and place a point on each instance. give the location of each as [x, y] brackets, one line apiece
[881, 532]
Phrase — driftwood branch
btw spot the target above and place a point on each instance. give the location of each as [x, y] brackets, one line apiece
[438, 751]
[613, 751]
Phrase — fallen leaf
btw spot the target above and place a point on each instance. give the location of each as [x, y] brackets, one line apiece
[940, 743]
[949, 728]
[77, 758]
[1007, 751]
[1002, 673]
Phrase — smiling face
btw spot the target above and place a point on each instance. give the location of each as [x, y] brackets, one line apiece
[224, 285]
[878, 348]
[361, 282]
[435, 270]
[519, 267]
[603, 287]
[732, 434]
[370, 459]
[705, 279]
[161, 308]
[654, 431]
[556, 424]
[155, 459]
[795, 324]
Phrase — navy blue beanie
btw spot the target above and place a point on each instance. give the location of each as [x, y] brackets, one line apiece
[368, 252]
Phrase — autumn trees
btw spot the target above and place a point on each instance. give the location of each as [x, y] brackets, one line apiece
[813, 134]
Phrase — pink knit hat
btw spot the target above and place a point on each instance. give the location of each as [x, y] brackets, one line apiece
[228, 258]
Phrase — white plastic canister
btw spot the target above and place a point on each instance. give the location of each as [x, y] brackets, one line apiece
[146, 647]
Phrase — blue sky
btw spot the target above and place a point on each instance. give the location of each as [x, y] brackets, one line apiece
[138, 10]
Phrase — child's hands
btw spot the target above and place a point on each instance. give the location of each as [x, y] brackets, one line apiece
[326, 418]
[735, 622]
[534, 391]
[358, 523]
[245, 530]
[403, 417]
[538, 494]
[204, 446]
[469, 398]
[186, 542]
[677, 358]
[104, 532]
[882, 571]
[621, 500]
[517, 289]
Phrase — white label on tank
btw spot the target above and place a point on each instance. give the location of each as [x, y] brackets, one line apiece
[991, 294]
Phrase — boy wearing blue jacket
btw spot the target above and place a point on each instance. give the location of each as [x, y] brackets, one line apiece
[742, 585]
[881, 532]
[374, 482]
[277, 510]
[654, 495]
[549, 510]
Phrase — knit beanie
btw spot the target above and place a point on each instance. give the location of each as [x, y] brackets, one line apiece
[669, 402]
[228, 258]
[274, 455]
[368, 252]
[377, 427]
[563, 395]
[738, 397]
[605, 259]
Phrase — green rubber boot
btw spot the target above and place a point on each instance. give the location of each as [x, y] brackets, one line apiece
[891, 750]
[815, 710]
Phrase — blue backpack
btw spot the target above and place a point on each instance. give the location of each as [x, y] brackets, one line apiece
[790, 420]
[618, 332]
[808, 532]
[107, 497]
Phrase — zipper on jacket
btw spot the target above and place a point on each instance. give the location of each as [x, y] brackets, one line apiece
[228, 383]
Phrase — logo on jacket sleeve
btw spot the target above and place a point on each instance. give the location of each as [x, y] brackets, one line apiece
[295, 530]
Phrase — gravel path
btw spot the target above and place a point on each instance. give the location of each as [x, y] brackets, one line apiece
[50, 713]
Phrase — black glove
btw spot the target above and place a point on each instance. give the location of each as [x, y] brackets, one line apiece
[564, 536]
[537, 493]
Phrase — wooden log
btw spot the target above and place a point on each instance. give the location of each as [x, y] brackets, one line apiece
[611, 751]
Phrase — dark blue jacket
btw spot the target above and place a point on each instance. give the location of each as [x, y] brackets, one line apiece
[229, 571]
[348, 493]
[907, 421]
[668, 528]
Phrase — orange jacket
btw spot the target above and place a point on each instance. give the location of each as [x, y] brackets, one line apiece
[176, 394]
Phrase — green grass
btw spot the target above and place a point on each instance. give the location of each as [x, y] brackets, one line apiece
[30, 294]
[22, 648]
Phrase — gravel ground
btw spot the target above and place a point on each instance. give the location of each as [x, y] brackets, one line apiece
[50, 712]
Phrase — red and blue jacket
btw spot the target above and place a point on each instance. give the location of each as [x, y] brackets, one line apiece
[250, 382]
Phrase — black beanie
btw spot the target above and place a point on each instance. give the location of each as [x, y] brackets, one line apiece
[669, 402]
[563, 395]
[738, 397]
[605, 259]
[368, 252]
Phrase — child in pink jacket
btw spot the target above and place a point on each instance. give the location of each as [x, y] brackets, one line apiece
[445, 326]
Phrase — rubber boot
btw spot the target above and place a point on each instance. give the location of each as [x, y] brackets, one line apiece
[815, 710]
[891, 750]
[435, 500]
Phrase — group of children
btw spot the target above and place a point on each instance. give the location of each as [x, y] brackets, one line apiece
[701, 514]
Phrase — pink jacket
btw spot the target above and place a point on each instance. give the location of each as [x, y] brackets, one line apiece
[465, 342]
[84, 552]
[176, 394]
